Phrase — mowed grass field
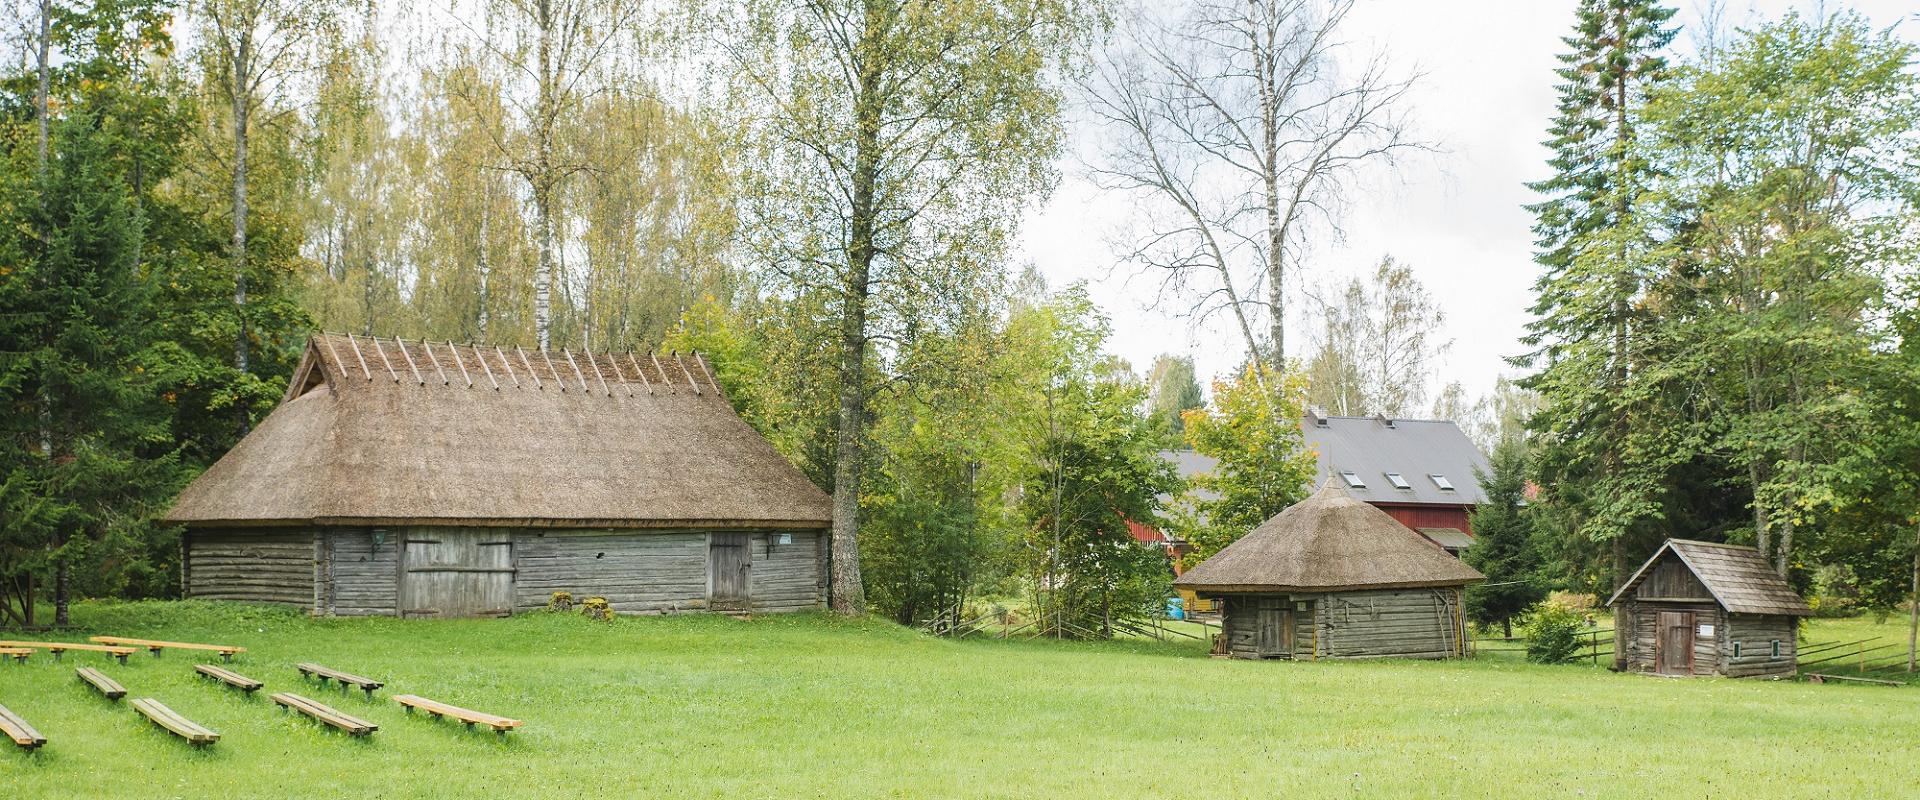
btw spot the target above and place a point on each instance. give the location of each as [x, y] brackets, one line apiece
[811, 706]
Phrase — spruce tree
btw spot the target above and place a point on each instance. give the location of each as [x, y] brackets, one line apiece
[1503, 543]
[1595, 254]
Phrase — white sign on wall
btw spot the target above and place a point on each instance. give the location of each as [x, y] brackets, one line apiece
[1706, 631]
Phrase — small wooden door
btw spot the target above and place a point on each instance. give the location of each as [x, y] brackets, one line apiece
[1673, 648]
[456, 572]
[729, 571]
[1273, 627]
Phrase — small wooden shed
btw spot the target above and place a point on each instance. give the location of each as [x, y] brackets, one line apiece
[1335, 577]
[432, 479]
[1701, 608]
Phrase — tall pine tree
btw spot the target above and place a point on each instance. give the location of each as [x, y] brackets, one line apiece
[1595, 254]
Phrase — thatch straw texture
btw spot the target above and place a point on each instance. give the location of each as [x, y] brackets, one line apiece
[381, 431]
[1329, 542]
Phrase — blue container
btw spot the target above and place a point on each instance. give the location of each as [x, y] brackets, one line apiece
[1176, 608]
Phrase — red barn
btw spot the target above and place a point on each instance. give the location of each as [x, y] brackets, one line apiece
[1423, 473]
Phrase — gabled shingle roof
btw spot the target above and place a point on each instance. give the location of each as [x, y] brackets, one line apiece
[385, 431]
[1739, 578]
[1413, 448]
[1328, 542]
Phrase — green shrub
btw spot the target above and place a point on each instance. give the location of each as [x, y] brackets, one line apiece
[1553, 634]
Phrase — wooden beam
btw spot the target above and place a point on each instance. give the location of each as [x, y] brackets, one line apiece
[336, 357]
[618, 376]
[597, 375]
[508, 364]
[525, 362]
[663, 370]
[687, 372]
[383, 358]
[481, 357]
[357, 354]
[638, 370]
[576, 370]
[702, 361]
[428, 346]
[402, 344]
[557, 380]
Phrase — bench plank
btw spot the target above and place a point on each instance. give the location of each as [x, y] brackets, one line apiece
[56, 648]
[367, 685]
[107, 686]
[174, 723]
[19, 731]
[471, 718]
[326, 714]
[155, 645]
[229, 677]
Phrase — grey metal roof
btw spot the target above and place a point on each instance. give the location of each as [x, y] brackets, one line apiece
[1190, 464]
[1412, 448]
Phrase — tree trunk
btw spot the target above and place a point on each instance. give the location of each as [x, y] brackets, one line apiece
[543, 270]
[1913, 614]
[62, 585]
[242, 107]
[43, 85]
[848, 595]
[543, 180]
[1270, 180]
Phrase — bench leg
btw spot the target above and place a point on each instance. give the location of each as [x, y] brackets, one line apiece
[368, 691]
[57, 654]
[155, 651]
[227, 657]
[123, 660]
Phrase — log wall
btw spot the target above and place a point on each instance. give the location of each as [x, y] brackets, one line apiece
[266, 565]
[661, 572]
[1755, 635]
[359, 576]
[1644, 618]
[1380, 623]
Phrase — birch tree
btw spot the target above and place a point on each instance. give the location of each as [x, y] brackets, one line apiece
[896, 142]
[1235, 127]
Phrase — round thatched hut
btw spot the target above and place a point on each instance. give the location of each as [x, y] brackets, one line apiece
[1334, 577]
[433, 479]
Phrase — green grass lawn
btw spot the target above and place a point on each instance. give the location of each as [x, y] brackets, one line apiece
[808, 706]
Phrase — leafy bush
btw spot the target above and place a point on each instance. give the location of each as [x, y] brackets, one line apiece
[1553, 634]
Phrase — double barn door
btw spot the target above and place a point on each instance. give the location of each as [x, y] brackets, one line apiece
[457, 572]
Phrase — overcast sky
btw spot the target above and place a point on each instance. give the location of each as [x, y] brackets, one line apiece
[1457, 218]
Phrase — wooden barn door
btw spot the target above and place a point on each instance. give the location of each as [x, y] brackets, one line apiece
[1673, 649]
[457, 572]
[1273, 627]
[729, 571]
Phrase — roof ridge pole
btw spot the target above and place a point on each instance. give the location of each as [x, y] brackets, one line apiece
[618, 376]
[530, 372]
[359, 355]
[640, 371]
[505, 363]
[702, 361]
[383, 358]
[428, 346]
[402, 344]
[481, 356]
[576, 370]
[597, 375]
[548, 357]
[336, 357]
[459, 363]
[663, 370]
[682, 363]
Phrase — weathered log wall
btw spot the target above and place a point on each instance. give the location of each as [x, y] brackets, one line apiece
[268, 565]
[360, 571]
[649, 572]
[1755, 635]
[1388, 623]
[1644, 636]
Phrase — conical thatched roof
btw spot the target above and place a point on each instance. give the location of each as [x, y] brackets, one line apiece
[1327, 543]
[384, 431]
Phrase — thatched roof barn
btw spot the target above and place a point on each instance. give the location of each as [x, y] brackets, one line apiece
[435, 479]
[1335, 577]
[1701, 608]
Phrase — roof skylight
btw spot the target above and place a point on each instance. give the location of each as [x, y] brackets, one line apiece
[1441, 481]
[1353, 480]
[1399, 481]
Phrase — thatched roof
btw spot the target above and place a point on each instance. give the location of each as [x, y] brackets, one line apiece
[377, 431]
[1739, 578]
[1329, 542]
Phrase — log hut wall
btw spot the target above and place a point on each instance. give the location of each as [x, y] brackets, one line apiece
[358, 571]
[267, 565]
[1379, 623]
[1645, 618]
[1755, 635]
[649, 572]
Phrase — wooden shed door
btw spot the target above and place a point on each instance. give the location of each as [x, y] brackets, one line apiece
[457, 573]
[1673, 651]
[1273, 627]
[729, 571]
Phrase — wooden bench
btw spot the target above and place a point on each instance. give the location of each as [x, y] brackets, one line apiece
[56, 648]
[499, 725]
[229, 677]
[18, 654]
[107, 686]
[1817, 677]
[346, 679]
[174, 723]
[19, 731]
[155, 646]
[352, 725]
